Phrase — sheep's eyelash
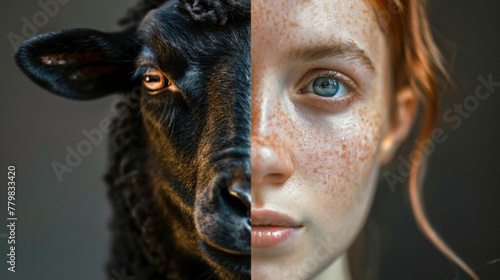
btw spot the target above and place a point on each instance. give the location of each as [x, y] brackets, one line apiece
[143, 69]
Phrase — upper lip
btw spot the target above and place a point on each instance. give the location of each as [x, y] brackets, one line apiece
[263, 217]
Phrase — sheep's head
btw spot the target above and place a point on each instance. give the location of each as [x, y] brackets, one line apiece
[197, 113]
[192, 63]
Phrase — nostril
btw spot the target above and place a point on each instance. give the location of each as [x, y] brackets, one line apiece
[239, 191]
[239, 199]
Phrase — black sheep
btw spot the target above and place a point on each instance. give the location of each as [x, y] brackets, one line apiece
[179, 180]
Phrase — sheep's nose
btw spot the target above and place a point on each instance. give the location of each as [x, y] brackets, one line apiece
[239, 198]
[241, 191]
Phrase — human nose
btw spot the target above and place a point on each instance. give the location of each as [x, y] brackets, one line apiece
[271, 162]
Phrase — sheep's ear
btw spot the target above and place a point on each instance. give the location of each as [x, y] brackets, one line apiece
[80, 63]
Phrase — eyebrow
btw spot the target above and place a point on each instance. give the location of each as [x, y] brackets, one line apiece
[350, 50]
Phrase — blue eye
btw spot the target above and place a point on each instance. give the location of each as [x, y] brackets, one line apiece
[326, 87]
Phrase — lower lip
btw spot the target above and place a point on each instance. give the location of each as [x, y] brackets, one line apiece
[270, 237]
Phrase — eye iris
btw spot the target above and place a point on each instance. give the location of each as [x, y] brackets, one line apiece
[327, 87]
[154, 80]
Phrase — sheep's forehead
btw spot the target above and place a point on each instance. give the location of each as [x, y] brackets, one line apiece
[168, 29]
[167, 25]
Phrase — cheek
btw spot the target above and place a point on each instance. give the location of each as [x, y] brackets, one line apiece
[335, 161]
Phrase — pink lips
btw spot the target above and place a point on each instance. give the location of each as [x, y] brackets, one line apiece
[272, 229]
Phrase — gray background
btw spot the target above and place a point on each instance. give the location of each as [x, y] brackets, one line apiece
[62, 227]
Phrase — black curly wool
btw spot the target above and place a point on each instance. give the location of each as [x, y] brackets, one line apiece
[138, 244]
[215, 11]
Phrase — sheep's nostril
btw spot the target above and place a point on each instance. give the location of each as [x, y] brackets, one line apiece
[238, 191]
[240, 197]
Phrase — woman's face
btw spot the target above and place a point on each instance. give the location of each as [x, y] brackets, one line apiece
[320, 113]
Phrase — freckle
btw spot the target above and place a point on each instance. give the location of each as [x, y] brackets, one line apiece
[344, 147]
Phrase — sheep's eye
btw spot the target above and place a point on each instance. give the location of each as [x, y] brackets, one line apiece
[154, 80]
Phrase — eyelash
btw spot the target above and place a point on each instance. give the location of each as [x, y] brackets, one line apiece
[329, 103]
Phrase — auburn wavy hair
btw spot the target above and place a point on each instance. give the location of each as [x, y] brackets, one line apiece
[417, 63]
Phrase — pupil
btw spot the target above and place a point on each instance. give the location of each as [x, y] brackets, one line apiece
[327, 87]
[152, 78]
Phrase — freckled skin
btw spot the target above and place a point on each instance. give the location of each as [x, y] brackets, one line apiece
[317, 165]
